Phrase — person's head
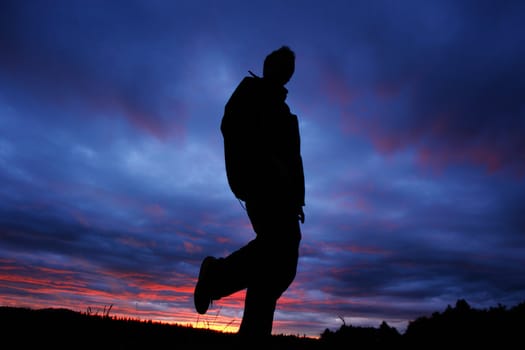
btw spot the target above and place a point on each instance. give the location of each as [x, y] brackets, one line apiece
[279, 65]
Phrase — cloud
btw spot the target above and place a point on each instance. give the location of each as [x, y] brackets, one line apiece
[79, 69]
[448, 90]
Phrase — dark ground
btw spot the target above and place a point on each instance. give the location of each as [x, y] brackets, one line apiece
[498, 327]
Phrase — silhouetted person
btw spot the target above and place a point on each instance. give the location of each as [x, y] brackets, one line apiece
[265, 171]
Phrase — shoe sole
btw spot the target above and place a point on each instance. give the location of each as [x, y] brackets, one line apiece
[201, 295]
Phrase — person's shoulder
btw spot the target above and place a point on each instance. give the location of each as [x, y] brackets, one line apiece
[249, 86]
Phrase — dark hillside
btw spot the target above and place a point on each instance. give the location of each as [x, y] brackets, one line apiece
[499, 327]
[24, 328]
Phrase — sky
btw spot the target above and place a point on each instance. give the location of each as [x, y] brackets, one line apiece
[412, 122]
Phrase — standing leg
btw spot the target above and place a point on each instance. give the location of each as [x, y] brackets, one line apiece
[257, 320]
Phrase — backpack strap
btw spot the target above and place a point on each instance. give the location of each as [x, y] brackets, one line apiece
[253, 74]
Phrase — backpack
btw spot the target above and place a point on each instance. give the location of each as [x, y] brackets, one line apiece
[236, 123]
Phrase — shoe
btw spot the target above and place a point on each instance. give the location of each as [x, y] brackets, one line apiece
[202, 294]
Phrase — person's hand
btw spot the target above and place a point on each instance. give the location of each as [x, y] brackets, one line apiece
[301, 215]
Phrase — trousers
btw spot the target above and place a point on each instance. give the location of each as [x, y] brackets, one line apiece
[266, 266]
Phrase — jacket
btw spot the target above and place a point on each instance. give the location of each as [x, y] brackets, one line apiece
[262, 146]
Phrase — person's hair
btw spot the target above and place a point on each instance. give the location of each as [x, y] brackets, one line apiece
[279, 65]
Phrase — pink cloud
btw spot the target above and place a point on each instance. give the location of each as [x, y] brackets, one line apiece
[192, 248]
[338, 89]
[438, 144]
[155, 210]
